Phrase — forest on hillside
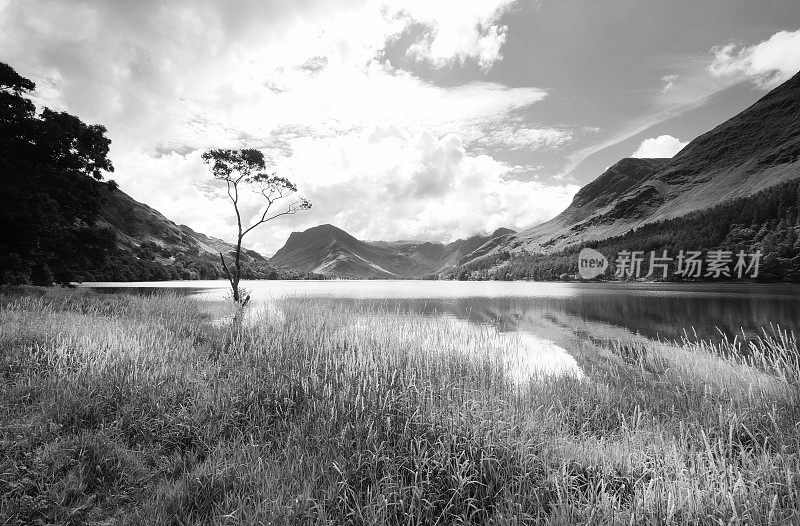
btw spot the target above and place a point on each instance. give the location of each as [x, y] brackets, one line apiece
[768, 221]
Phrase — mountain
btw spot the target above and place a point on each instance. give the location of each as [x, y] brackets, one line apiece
[328, 250]
[767, 222]
[757, 149]
[331, 251]
[136, 223]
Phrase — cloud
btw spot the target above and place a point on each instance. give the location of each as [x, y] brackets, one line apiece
[396, 184]
[767, 64]
[380, 183]
[508, 136]
[457, 30]
[657, 147]
[669, 82]
[193, 72]
[379, 151]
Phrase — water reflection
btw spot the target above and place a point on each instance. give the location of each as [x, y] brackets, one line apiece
[538, 356]
[650, 309]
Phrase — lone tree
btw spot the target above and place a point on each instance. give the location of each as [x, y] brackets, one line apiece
[247, 168]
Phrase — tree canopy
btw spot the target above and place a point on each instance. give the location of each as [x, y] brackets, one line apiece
[49, 164]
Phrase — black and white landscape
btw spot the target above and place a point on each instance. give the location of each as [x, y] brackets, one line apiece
[399, 262]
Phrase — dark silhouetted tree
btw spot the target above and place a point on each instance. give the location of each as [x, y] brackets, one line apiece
[50, 163]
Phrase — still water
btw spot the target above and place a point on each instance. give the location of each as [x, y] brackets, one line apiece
[654, 310]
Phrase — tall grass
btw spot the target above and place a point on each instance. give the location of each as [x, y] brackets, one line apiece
[148, 410]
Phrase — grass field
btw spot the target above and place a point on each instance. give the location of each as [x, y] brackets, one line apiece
[149, 410]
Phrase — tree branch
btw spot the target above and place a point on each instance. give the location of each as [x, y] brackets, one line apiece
[293, 209]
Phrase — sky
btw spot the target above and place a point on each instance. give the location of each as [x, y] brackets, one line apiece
[418, 119]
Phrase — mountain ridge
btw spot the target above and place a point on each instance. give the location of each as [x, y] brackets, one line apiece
[329, 250]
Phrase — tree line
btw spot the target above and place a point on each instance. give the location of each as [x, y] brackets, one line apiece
[768, 221]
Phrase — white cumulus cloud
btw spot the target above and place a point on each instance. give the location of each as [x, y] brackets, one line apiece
[457, 30]
[387, 180]
[768, 63]
[661, 146]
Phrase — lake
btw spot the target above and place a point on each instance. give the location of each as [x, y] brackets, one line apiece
[654, 310]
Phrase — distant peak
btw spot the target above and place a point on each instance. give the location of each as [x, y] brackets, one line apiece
[319, 229]
[327, 227]
[502, 231]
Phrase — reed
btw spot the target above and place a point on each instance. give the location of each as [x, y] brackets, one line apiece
[122, 409]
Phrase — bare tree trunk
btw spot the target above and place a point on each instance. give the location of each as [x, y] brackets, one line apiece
[237, 273]
[231, 279]
[235, 276]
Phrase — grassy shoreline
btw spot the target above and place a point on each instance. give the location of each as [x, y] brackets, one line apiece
[122, 409]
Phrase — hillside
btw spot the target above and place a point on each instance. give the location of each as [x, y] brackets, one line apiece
[331, 251]
[136, 223]
[756, 149]
[151, 247]
[767, 221]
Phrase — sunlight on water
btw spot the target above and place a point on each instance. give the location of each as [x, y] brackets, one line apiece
[528, 356]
